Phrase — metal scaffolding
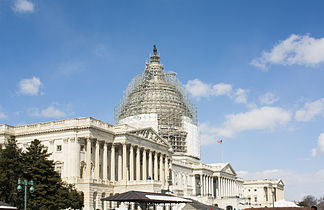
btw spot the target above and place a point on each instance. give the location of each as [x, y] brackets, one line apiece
[157, 92]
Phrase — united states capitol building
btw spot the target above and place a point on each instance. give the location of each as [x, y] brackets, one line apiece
[153, 146]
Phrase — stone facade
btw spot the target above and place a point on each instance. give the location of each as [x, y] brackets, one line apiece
[263, 193]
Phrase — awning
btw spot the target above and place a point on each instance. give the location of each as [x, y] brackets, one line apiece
[5, 206]
[145, 197]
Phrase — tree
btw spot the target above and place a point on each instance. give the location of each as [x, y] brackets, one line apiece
[308, 201]
[50, 191]
[11, 168]
[320, 203]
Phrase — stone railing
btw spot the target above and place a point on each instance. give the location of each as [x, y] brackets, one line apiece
[6, 129]
[56, 125]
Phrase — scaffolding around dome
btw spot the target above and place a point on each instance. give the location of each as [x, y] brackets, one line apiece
[140, 79]
[160, 95]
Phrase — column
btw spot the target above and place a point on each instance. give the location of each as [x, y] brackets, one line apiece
[104, 162]
[88, 158]
[166, 171]
[138, 163]
[97, 160]
[112, 163]
[156, 171]
[120, 164]
[124, 162]
[150, 165]
[201, 185]
[161, 170]
[213, 188]
[210, 188]
[219, 191]
[131, 164]
[76, 160]
[205, 180]
[144, 165]
[222, 186]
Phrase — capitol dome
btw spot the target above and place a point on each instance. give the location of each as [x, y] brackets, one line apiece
[157, 99]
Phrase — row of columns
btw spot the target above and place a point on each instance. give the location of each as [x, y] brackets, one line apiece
[226, 187]
[206, 185]
[130, 159]
[217, 186]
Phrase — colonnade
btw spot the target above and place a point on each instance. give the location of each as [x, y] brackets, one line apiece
[125, 162]
[226, 187]
[206, 185]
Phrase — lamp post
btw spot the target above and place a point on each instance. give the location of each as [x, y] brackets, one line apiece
[25, 183]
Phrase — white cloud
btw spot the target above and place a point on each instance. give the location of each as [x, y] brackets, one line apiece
[296, 49]
[310, 111]
[240, 96]
[256, 119]
[49, 112]
[30, 86]
[297, 184]
[24, 6]
[319, 151]
[199, 89]
[268, 98]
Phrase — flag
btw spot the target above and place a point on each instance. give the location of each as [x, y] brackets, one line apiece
[220, 141]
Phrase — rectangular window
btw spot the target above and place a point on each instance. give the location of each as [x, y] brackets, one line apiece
[255, 199]
[59, 148]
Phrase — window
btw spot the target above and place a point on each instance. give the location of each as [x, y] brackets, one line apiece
[255, 190]
[59, 170]
[59, 148]
[255, 199]
[82, 148]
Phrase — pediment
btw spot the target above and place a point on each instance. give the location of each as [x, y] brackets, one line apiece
[149, 134]
[280, 182]
[228, 169]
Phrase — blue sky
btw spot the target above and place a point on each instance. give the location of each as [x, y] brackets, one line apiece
[254, 69]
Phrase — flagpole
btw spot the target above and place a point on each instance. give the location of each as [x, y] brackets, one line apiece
[222, 153]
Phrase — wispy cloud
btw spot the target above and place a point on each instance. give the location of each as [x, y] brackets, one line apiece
[24, 6]
[30, 86]
[49, 112]
[319, 151]
[296, 49]
[256, 119]
[70, 67]
[199, 89]
[268, 98]
[310, 111]
[2, 114]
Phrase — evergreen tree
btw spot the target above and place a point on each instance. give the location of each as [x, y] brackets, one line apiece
[50, 192]
[11, 168]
